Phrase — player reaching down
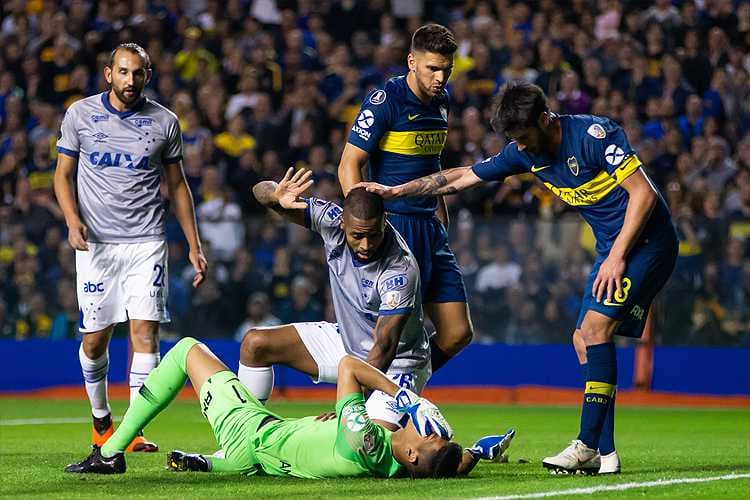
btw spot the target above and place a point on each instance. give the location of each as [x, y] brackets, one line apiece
[257, 441]
[587, 162]
[112, 151]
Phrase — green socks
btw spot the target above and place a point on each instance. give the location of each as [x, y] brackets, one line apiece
[159, 389]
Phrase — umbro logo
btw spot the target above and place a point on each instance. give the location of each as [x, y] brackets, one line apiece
[100, 136]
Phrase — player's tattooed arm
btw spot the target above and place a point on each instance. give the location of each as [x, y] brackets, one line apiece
[448, 181]
[284, 197]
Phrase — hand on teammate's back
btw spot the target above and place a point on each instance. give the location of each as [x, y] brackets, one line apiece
[78, 233]
[198, 260]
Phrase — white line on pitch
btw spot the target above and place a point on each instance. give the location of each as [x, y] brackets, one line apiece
[48, 421]
[618, 487]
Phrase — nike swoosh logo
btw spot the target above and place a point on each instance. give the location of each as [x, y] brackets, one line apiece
[537, 169]
[412, 117]
[609, 303]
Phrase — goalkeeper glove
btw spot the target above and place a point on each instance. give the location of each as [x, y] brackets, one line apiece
[492, 447]
[425, 416]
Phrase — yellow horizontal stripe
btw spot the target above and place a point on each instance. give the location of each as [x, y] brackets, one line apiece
[597, 188]
[600, 388]
[414, 142]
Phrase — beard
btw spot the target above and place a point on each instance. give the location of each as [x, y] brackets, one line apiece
[127, 98]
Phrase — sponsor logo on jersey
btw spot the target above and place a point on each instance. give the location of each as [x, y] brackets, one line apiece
[103, 159]
[99, 118]
[354, 416]
[378, 97]
[396, 282]
[596, 131]
[573, 165]
[534, 168]
[333, 213]
[142, 122]
[412, 117]
[90, 287]
[614, 154]
[367, 283]
[100, 137]
[364, 121]
[638, 312]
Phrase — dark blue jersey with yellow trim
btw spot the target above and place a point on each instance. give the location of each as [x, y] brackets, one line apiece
[404, 138]
[595, 157]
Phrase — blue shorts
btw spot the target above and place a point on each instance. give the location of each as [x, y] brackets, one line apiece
[648, 268]
[427, 238]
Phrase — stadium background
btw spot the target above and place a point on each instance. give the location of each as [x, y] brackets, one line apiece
[262, 85]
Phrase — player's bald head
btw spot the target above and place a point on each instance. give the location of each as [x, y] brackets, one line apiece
[363, 205]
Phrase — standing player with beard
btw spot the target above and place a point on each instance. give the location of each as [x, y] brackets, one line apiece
[121, 143]
[400, 131]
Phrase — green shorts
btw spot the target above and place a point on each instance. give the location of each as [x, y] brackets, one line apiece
[234, 415]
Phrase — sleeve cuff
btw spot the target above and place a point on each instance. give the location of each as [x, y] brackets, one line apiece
[479, 174]
[172, 159]
[393, 312]
[67, 152]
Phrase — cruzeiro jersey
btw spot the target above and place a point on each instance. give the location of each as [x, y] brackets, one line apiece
[361, 291]
[350, 446]
[404, 138]
[593, 161]
[120, 159]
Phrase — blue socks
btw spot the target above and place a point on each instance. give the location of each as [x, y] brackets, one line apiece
[607, 437]
[598, 397]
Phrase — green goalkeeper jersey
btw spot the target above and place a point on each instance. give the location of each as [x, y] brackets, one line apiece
[351, 445]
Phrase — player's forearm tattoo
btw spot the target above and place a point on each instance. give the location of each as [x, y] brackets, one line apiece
[431, 185]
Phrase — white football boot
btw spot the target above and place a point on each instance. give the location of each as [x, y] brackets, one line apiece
[610, 464]
[577, 458]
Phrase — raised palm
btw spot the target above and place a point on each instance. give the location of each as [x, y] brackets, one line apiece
[289, 189]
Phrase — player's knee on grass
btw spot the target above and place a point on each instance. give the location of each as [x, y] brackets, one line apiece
[257, 348]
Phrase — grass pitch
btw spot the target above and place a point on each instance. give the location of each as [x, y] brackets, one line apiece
[654, 444]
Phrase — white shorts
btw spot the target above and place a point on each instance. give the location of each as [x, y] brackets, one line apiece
[121, 281]
[324, 344]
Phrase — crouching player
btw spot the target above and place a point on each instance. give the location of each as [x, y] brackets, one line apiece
[257, 441]
[375, 286]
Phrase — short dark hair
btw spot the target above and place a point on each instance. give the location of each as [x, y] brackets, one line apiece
[364, 205]
[434, 38]
[443, 463]
[517, 105]
[133, 48]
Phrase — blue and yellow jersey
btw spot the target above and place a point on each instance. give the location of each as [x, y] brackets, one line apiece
[404, 138]
[594, 159]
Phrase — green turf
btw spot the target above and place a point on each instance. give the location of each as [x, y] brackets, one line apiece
[653, 443]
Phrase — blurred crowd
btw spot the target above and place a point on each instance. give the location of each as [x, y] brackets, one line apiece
[259, 85]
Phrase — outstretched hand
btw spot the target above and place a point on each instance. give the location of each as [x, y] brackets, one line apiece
[386, 192]
[289, 189]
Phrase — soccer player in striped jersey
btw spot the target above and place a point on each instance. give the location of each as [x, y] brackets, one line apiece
[400, 132]
[113, 148]
[587, 162]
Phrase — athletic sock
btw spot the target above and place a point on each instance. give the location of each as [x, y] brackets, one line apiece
[607, 437]
[258, 380]
[600, 389]
[95, 380]
[159, 389]
[140, 367]
[438, 357]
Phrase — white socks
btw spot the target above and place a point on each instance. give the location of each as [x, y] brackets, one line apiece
[258, 380]
[143, 363]
[95, 379]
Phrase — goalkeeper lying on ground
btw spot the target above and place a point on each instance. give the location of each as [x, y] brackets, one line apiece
[255, 440]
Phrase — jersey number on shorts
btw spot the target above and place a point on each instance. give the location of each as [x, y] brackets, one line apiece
[620, 298]
[159, 281]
